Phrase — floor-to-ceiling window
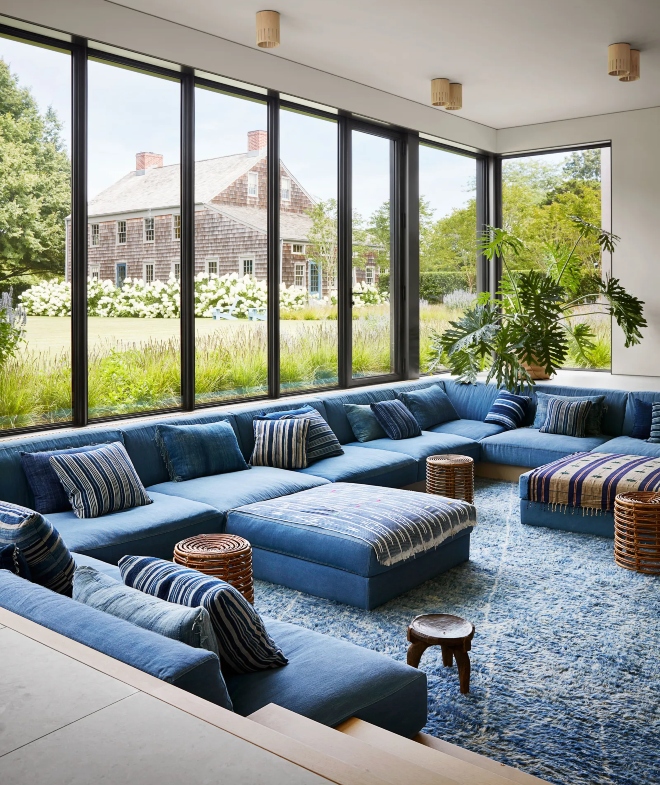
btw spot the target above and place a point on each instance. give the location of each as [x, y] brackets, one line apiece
[35, 202]
[540, 194]
[134, 261]
[448, 236]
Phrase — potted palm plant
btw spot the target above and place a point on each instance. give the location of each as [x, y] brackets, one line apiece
[526, 331]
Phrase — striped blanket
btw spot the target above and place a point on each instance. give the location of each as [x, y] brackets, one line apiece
[591, 480]
[397, 524]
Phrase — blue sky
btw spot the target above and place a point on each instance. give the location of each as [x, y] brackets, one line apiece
[131, 112]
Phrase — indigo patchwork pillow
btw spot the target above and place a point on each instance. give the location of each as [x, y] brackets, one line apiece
[396, 420]
[100, 481]
[13, 560]
[642, 412]
[321, 440]
[191, 626]
[430, 406]
[243, 642]
[654, 436]
[363, 422]
[566, 417]
[280, 443]
[508, 410]
[594, 425]
[49, 495]
[202, 450]
[50, 562]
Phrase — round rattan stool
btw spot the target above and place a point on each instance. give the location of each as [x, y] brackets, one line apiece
[224, 556]
[637, 531]
[450, 475]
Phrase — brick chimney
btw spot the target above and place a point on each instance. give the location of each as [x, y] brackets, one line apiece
[147, 161]
[257, 140]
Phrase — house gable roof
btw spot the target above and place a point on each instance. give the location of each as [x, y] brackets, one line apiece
[293, 226]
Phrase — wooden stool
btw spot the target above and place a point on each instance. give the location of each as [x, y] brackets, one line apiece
[453, 634]
[225, 556]
[450, 475]
[637, 531]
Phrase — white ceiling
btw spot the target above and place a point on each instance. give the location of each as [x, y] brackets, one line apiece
[520, 61]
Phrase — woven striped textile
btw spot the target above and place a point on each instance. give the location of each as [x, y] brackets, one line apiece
[508, 410]
[243, 642]
[100, 481]
[567, 418]
[321, 440]
[654, 435]
[40, 544]
[396, 419]
[591, 480]
[280, 443]
[396, 524]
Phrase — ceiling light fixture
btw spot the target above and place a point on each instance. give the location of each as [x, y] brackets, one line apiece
[618, 59]
[268, 29]
[455, 96]
[633, 74]
[440, 92]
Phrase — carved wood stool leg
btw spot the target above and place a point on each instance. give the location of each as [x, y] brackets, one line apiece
[447, 657]
[463, 662]
[415, 651]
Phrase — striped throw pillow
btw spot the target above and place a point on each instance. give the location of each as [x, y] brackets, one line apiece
[48, 558]
[654, 436]
[396, 419]
[243, 642]
[100, 481]
[567, 418]
[508, 410]
[321, 440]
[280, 443]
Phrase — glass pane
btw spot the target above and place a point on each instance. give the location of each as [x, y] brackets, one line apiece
[540, 193]
[373, 353]
[230, 247]
[447, 245]
[308, 230]
[35, 191]
[134, 186]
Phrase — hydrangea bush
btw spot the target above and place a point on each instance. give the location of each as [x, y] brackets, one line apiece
[363, 295]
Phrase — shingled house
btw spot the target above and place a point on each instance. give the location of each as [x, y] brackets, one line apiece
[135, 224]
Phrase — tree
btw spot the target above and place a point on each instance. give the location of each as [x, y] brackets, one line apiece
[583, 165]
[35, 188]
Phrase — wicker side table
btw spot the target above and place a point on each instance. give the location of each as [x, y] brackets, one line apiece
[450, 475]
[637, 531]
[225, 556]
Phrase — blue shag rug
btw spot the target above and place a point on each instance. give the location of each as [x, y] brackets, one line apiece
[565, 677]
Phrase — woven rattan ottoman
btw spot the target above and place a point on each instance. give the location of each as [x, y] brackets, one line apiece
[451, 476]
[225, 556]
[637, 531]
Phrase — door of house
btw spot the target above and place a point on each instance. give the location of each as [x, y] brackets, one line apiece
[120, 275]
[314, 280]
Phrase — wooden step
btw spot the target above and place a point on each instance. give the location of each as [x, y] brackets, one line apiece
[379, 764]
[439, 756]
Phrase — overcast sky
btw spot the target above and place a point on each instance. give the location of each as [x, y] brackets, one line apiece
[131, 112]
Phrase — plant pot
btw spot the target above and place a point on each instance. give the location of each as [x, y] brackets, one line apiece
[535, 371]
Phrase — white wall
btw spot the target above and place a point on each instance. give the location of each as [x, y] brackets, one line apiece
[123, 27]
[635, 138]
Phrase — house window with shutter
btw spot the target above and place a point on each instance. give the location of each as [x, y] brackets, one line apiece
[299, 275]
[176, 227]
[176, 271]
[94, 272]
[121, 232]
[370, 276]
[247, 266]
[212, 266]
[285, 189]
[253, 184]
[149, 272]
[95, 233]
[149, 230]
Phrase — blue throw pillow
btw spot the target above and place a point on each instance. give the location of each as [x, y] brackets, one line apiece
[430, 406]
[50, 562]
[396, 420]
[188, 625]
[594, 425]
[191, 451]
[280, 443]
[642, 412]
[654, 435]
[13, 560]
[321, 440]
[49, 495]
[566, 417]
[508, 410]
[243, 642]
[363, 422]
[306, 409]
[100, 481]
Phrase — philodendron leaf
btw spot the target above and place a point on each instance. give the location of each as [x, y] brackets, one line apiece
[627, 310]
[468, 342]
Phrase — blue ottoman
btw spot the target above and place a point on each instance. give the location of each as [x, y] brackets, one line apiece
[356, 544]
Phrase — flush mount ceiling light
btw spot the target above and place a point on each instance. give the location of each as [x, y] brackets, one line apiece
[633, 74]
[268, 29]
[455, 96]
[618, 59]
[440, 92]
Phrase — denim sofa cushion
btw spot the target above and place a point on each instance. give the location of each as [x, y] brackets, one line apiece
[201, 450]
[529, 447]
[430, 406]
[280, 443]
[226, 491]
[188, 625]
[148, 531]
[627, 445]
[594, 421]
[104, 567]
[471, 401]
[508, 410]
[363, 422]
[336, 413]
[14, 486]
[615, 401]
[567, 417]
[629, 420]
[375, 467]
[643, 416]
[13, 560]
[330, 680]
[396, 419]
[470, 429]
[194, 670]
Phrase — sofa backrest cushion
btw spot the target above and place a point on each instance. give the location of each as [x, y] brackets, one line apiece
[14, 486]
[615, 401]
[194, 670]
[629, 419]
[471, 401]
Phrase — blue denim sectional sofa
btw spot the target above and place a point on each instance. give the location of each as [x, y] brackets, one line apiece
[326, 679]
